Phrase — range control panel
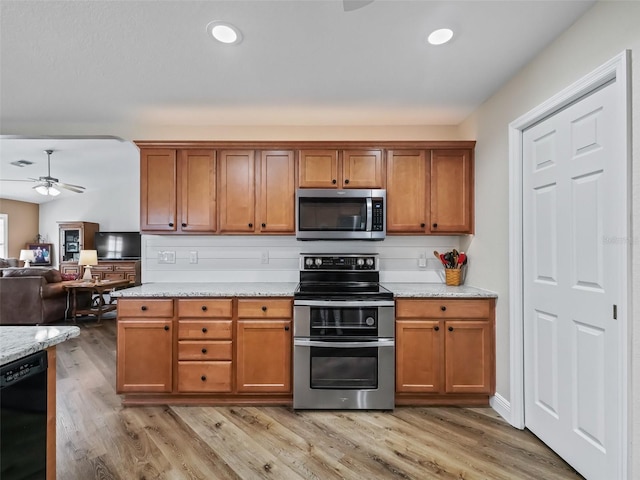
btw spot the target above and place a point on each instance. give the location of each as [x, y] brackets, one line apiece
[317, 261]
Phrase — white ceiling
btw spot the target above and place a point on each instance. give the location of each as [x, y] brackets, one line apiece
[105, 67]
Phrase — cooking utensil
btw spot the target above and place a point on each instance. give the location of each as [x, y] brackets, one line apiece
[462, 259]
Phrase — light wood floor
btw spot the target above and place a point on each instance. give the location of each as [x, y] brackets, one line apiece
[97, 438]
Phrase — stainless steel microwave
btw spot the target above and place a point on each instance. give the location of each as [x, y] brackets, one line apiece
[352, 214]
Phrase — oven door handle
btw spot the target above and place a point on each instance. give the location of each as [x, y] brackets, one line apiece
[341, 303]
[381, 342]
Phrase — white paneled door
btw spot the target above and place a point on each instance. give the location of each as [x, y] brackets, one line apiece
[572, 282]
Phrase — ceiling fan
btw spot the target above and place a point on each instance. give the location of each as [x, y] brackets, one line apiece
[47, 185]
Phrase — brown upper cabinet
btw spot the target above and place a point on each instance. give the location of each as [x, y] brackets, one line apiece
[257, 191]
[177, 191]
[341, 169]
[430, 191]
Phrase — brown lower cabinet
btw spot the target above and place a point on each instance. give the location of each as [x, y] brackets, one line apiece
[445, 351]
[204, 350]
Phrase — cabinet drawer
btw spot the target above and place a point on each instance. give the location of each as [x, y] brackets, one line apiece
[443, 308]
[190, 350]
[205, 329]
[205, 308]
[124, 268]
[102, 268]
[204, 376]
[113, 276]
[145, 308]
[265, 308]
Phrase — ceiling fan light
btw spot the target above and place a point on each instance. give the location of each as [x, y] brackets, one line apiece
[441, 36]
[224, 32]
[54, 192]
[42, 190]
[47, 190]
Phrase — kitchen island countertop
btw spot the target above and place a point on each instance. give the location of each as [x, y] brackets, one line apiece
[286, 289]
[20, 341]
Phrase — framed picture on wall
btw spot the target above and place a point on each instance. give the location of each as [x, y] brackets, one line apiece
[41, 252]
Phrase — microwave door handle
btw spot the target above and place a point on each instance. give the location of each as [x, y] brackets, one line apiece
[369, 214]
[380, 342]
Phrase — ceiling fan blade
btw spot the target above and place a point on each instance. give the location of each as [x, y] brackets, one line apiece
[351, 5]
[12, 180]
[73, 188]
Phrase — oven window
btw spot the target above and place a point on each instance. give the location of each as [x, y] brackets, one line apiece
[341, 214]
[344, 368]
[343, 322]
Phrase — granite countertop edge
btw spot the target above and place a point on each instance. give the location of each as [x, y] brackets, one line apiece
[20, 341]
[286, 289]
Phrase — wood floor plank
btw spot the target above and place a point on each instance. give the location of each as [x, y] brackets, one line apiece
[100, 439]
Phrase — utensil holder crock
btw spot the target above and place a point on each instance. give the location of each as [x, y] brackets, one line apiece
[453, 276]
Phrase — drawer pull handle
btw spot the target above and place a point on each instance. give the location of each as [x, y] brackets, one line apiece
[143, 308]
[346, 181]
[451, 329]
[264, 308]
[166, 328]
[204, 350]
[334, 181]
[184, 225]
[171, 224]
[264, 225]
[203, 378]
[251, 225]
[435, 225]
[422, 225]
[443, 308]
[286, 329]
[436, 328]
[204, 329]
[204, 308]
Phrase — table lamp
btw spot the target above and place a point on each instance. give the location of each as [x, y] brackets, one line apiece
[27, 256]
[88, 258]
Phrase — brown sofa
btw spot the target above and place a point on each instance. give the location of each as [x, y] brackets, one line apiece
[33, 296]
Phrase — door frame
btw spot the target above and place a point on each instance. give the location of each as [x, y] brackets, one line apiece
[617, 69]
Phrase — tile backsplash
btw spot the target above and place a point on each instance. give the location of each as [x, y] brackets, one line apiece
[173, 258]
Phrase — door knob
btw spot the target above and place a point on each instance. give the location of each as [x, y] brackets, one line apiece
[436, 328]
[204, 308]
[264, 308]
[166, 328]
[204, 329]
[451, 329]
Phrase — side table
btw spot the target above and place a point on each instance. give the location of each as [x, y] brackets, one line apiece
[98, 289]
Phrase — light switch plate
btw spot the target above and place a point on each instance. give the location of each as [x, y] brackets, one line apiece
[264, 258]
[193, 256]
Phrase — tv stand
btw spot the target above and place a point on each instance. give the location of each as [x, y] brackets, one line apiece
[109, 270]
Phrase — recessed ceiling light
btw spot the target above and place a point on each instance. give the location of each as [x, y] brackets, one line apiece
[224, 32]
[438, 37]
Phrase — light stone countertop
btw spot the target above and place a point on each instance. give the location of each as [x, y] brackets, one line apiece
[18, 342]
[407, 290]
[236, 289]
[277, 289]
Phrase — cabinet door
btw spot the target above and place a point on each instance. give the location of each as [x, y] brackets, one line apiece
[197, 174]
[158, 180]
[362, 169]
[418, 356]
[318, 169]
[468, 356]
[277, 192]
[451, 196]
[236, 184]
[264, 356]
[406, 191]
[144, 352]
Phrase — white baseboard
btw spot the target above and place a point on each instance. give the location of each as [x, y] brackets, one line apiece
[503, 407]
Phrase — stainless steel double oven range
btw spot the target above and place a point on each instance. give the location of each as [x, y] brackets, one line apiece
[343, 335]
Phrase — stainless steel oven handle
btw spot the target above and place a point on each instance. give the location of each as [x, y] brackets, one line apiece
[381, 342]
[341, 303]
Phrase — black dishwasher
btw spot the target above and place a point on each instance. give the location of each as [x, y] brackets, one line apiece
[23, 418]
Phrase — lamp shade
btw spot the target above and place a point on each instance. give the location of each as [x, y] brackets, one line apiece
[27, 255]
[88, 257]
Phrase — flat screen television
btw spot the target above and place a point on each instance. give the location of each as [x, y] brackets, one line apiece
[118, 245]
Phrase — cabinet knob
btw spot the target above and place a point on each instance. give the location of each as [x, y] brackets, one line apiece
[143, 308]
[286, 329]
[203, 378]
[422, 225]
[204, 350]
[435, 225]
[264, 225]
[184, 224]
[436, 328]
[171, 224]
[251, 225]
[334, 181]
[346, 181]
[443, 308]
[204, 329]
[166, 328]
[264, 308]
[204, 308]
[451, 329]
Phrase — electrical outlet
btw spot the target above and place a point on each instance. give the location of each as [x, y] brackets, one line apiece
[264, 258]
[422, 261]
[166, 256]
[193, 256]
